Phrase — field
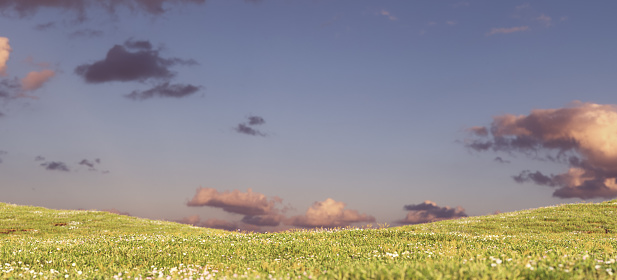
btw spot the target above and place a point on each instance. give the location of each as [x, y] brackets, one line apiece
[573, 241]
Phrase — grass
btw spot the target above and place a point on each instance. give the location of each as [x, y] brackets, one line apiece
[574, 241]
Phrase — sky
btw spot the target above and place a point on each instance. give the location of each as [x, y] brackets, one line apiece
[277, 114]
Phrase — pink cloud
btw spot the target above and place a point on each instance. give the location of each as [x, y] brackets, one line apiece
[582, 136]
[5, 51]
[249, 203]
[34, 80]
[329, 213]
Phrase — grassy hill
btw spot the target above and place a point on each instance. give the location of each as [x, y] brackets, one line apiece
[575, 241]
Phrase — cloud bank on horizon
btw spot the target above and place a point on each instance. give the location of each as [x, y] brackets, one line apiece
[25, 8]
[260, 211]
[582, 136]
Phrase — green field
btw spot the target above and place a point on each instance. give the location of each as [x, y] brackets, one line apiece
[573, 241]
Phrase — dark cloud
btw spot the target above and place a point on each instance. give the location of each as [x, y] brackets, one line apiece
[9, 88]
[246, 127]
[39, 158]
[249, 203]
[23, 8]
[329, 213]
[428, 211]
[2, 153]
[87, 163]
[581, 136]
[255, 120]
[56, 165]
[86, 33]
[164, 90]
[263, 220]
[122, 65]
[501, 160]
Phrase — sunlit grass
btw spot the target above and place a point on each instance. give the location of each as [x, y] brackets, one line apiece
[576, 241]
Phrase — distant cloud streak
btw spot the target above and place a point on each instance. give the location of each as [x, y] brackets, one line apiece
[582, 136]
[164, 90]
[24, 8]
[507, 30]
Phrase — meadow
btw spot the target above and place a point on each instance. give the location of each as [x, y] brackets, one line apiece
[571, 241]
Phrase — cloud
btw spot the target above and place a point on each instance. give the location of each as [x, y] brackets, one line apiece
[35, 80]
[255, 120]
[56, 165]
[263, 220]
[388, 15]
[329, 213]
[122, 65]
[25, 8]
[164, 90]
[132, 44]
[249, 203]
[501, 160]
[546, 20]
[39, 158]
[246, 127]
[45, 26]
[9, 88]
[191, 220]
[581, 136]
[140, 65]
[507, 30]
[5, 51]
[428, 211]
[90, 164]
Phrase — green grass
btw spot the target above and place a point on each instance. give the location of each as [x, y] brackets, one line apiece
[575, 241]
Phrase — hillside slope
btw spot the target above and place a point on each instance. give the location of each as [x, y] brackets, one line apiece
[574, 241]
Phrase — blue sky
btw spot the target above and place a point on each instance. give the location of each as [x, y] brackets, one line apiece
[366, 103]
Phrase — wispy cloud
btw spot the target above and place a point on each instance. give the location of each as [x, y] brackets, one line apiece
[428, 211]
[546, 20]
[164, 90]
[56, 166]
[24, 8]
[504, 30]
[248, 127]
[581, 136]
[387, 14]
